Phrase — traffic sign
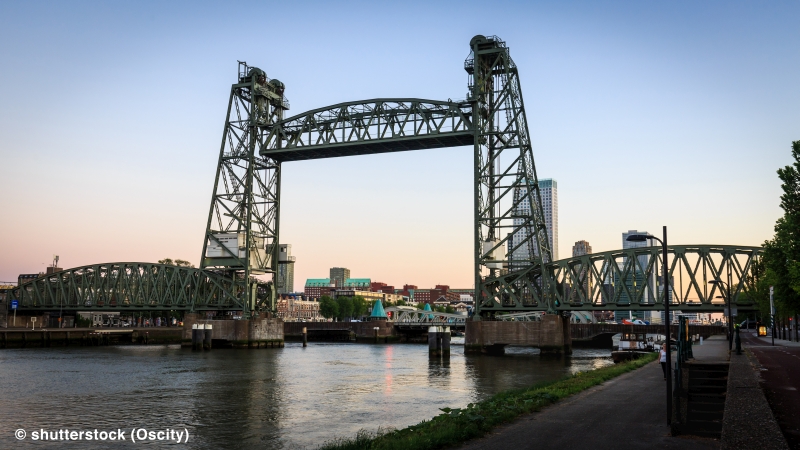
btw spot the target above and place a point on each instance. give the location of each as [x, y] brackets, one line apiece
[14, 304]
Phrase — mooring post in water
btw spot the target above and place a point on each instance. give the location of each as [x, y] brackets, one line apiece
[376, 334]
[207, 337]
[446, 342]
[434, 342]
[305, 337]
[196, 337]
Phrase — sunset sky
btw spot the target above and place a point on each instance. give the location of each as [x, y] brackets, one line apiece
[646, 113]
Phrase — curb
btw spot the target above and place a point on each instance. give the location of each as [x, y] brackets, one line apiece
[748, 421]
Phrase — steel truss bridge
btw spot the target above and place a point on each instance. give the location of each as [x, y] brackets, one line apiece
[410, 317]
[513, 267]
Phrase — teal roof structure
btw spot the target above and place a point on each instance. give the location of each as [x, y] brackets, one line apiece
[427, 307]
[378, 311]
[318, 282]
[357, 282]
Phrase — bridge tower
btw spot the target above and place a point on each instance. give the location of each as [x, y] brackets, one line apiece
[511, 243]
[241, 238]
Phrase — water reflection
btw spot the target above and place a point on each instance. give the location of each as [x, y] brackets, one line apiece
[274, 398]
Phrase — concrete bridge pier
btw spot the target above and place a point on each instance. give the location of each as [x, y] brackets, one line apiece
[260, 332]
[551, 334]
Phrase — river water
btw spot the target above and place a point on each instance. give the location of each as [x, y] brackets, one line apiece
[290, 398]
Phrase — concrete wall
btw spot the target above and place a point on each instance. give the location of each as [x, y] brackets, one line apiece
[260, 332]
[361, 329]
[551, 335]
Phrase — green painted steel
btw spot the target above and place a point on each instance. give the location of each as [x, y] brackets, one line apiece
[371, 126]
[513, 267]
[242, 236]
[631, 279]
[134, 286]
[511, 242]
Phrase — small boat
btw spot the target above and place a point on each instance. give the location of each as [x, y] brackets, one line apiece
[632, 346]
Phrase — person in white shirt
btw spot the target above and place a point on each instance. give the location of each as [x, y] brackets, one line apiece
[664, 359]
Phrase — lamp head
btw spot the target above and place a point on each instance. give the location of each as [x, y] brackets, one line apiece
[638, 237]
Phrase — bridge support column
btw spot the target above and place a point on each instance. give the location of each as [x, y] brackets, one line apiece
[207, 337]
[551, 334]
[434, 342]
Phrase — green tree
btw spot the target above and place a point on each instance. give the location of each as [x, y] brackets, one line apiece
[359, 306]
[401, 303]
[328, 307]
[450, 310]
[177, 262]
[345, 307]
[782, 253]
[421, 305]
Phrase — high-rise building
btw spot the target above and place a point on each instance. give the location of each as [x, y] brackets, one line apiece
[284, 282]
[581, 248]
[339, 275]
[549, 191]
[636, 279]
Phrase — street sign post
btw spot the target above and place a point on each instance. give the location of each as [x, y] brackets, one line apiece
[772, 313]
[14, 306]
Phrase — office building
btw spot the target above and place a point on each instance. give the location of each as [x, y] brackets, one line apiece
[284, 281]
[579, 249]
[549, 192]
[339, 275]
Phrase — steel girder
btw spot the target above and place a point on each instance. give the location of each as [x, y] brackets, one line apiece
[410, 316]
[631, 279]
[511, 241]
[242, 230]
[370, 126]
[133, 286]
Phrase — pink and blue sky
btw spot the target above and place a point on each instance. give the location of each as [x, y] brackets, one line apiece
[646, 113]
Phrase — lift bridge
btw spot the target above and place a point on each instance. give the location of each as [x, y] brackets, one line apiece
[513, 267]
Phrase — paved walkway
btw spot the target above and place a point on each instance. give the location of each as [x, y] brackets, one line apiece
[780, 374]
[627, 412]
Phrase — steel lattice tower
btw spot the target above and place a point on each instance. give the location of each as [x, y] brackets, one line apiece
[241, 237]
[505, 178]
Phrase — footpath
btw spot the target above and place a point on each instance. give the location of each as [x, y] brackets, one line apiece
[630, 412]
[779, 370]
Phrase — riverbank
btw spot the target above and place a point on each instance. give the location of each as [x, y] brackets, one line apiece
[455, 426]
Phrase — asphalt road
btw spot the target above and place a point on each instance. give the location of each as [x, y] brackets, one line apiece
[781, 382]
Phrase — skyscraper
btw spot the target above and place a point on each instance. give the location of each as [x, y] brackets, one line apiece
[285, 280]
[549, 191]
[636, 279]
[339, 275]
[581, 248]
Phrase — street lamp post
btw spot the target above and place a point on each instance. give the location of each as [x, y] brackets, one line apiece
[726, 292]
[668, 323]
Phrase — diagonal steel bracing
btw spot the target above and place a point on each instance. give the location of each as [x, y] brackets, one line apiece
[513, 267]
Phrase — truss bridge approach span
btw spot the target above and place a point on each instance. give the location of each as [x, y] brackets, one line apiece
[513, 267]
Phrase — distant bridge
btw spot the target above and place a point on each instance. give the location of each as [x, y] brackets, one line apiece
[410, 317]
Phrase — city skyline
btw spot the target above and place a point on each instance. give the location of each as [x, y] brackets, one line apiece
[703, 94]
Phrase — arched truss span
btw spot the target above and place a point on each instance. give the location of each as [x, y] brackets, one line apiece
[370, 126]
[131, 286]
[631, 279]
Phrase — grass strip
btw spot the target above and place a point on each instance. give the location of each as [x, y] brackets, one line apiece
[454, 426]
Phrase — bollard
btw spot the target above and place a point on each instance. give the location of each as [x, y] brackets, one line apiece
[305, 337]
[195, 337]
[434, 342]
[146, 336]
[445, 336]
[207, 337]
[376, 333]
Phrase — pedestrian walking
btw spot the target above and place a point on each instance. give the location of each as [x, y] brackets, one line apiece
[664, 359]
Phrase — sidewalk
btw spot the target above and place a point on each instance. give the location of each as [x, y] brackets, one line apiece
[627, 412]
[777, 368]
